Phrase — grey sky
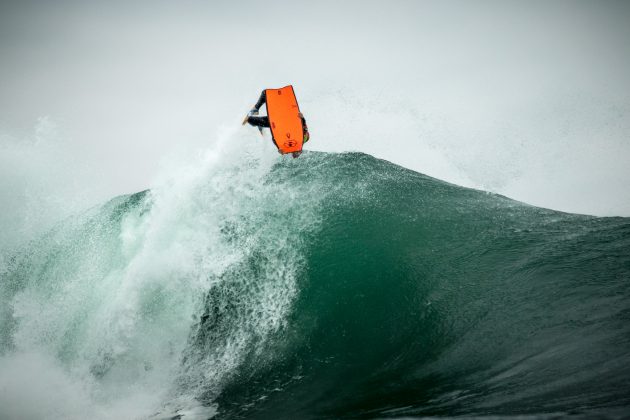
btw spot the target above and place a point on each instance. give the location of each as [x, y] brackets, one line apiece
[528, 99]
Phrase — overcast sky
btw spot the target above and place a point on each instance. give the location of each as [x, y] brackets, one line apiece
[529, 99]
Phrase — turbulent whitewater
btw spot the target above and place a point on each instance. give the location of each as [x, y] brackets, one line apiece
[329, 286]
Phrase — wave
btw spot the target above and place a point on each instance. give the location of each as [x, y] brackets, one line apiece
[330, 286]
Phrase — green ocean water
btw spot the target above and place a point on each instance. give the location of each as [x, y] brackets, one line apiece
[330, 286]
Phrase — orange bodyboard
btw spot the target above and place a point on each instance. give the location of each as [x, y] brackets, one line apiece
[284, 119]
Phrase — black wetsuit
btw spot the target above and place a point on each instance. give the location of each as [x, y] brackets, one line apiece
[257, 121]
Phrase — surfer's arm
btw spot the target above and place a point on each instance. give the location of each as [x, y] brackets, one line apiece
[261, 101]
[304, 128]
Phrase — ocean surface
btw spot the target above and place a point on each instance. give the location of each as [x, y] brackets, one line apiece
[329, 286]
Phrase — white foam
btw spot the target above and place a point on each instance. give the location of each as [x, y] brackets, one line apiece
[106, 313]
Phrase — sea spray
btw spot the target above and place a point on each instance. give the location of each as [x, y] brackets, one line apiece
[108, 300]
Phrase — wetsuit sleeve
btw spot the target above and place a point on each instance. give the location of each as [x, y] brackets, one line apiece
[262, 122]
[261, 101]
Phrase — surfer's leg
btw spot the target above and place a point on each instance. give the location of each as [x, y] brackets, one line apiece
[262, 122]
[261, 101]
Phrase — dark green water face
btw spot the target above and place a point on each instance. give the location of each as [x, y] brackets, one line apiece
[422, 298]
[330, 286]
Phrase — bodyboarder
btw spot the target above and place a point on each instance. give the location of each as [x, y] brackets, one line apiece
[261, 122]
